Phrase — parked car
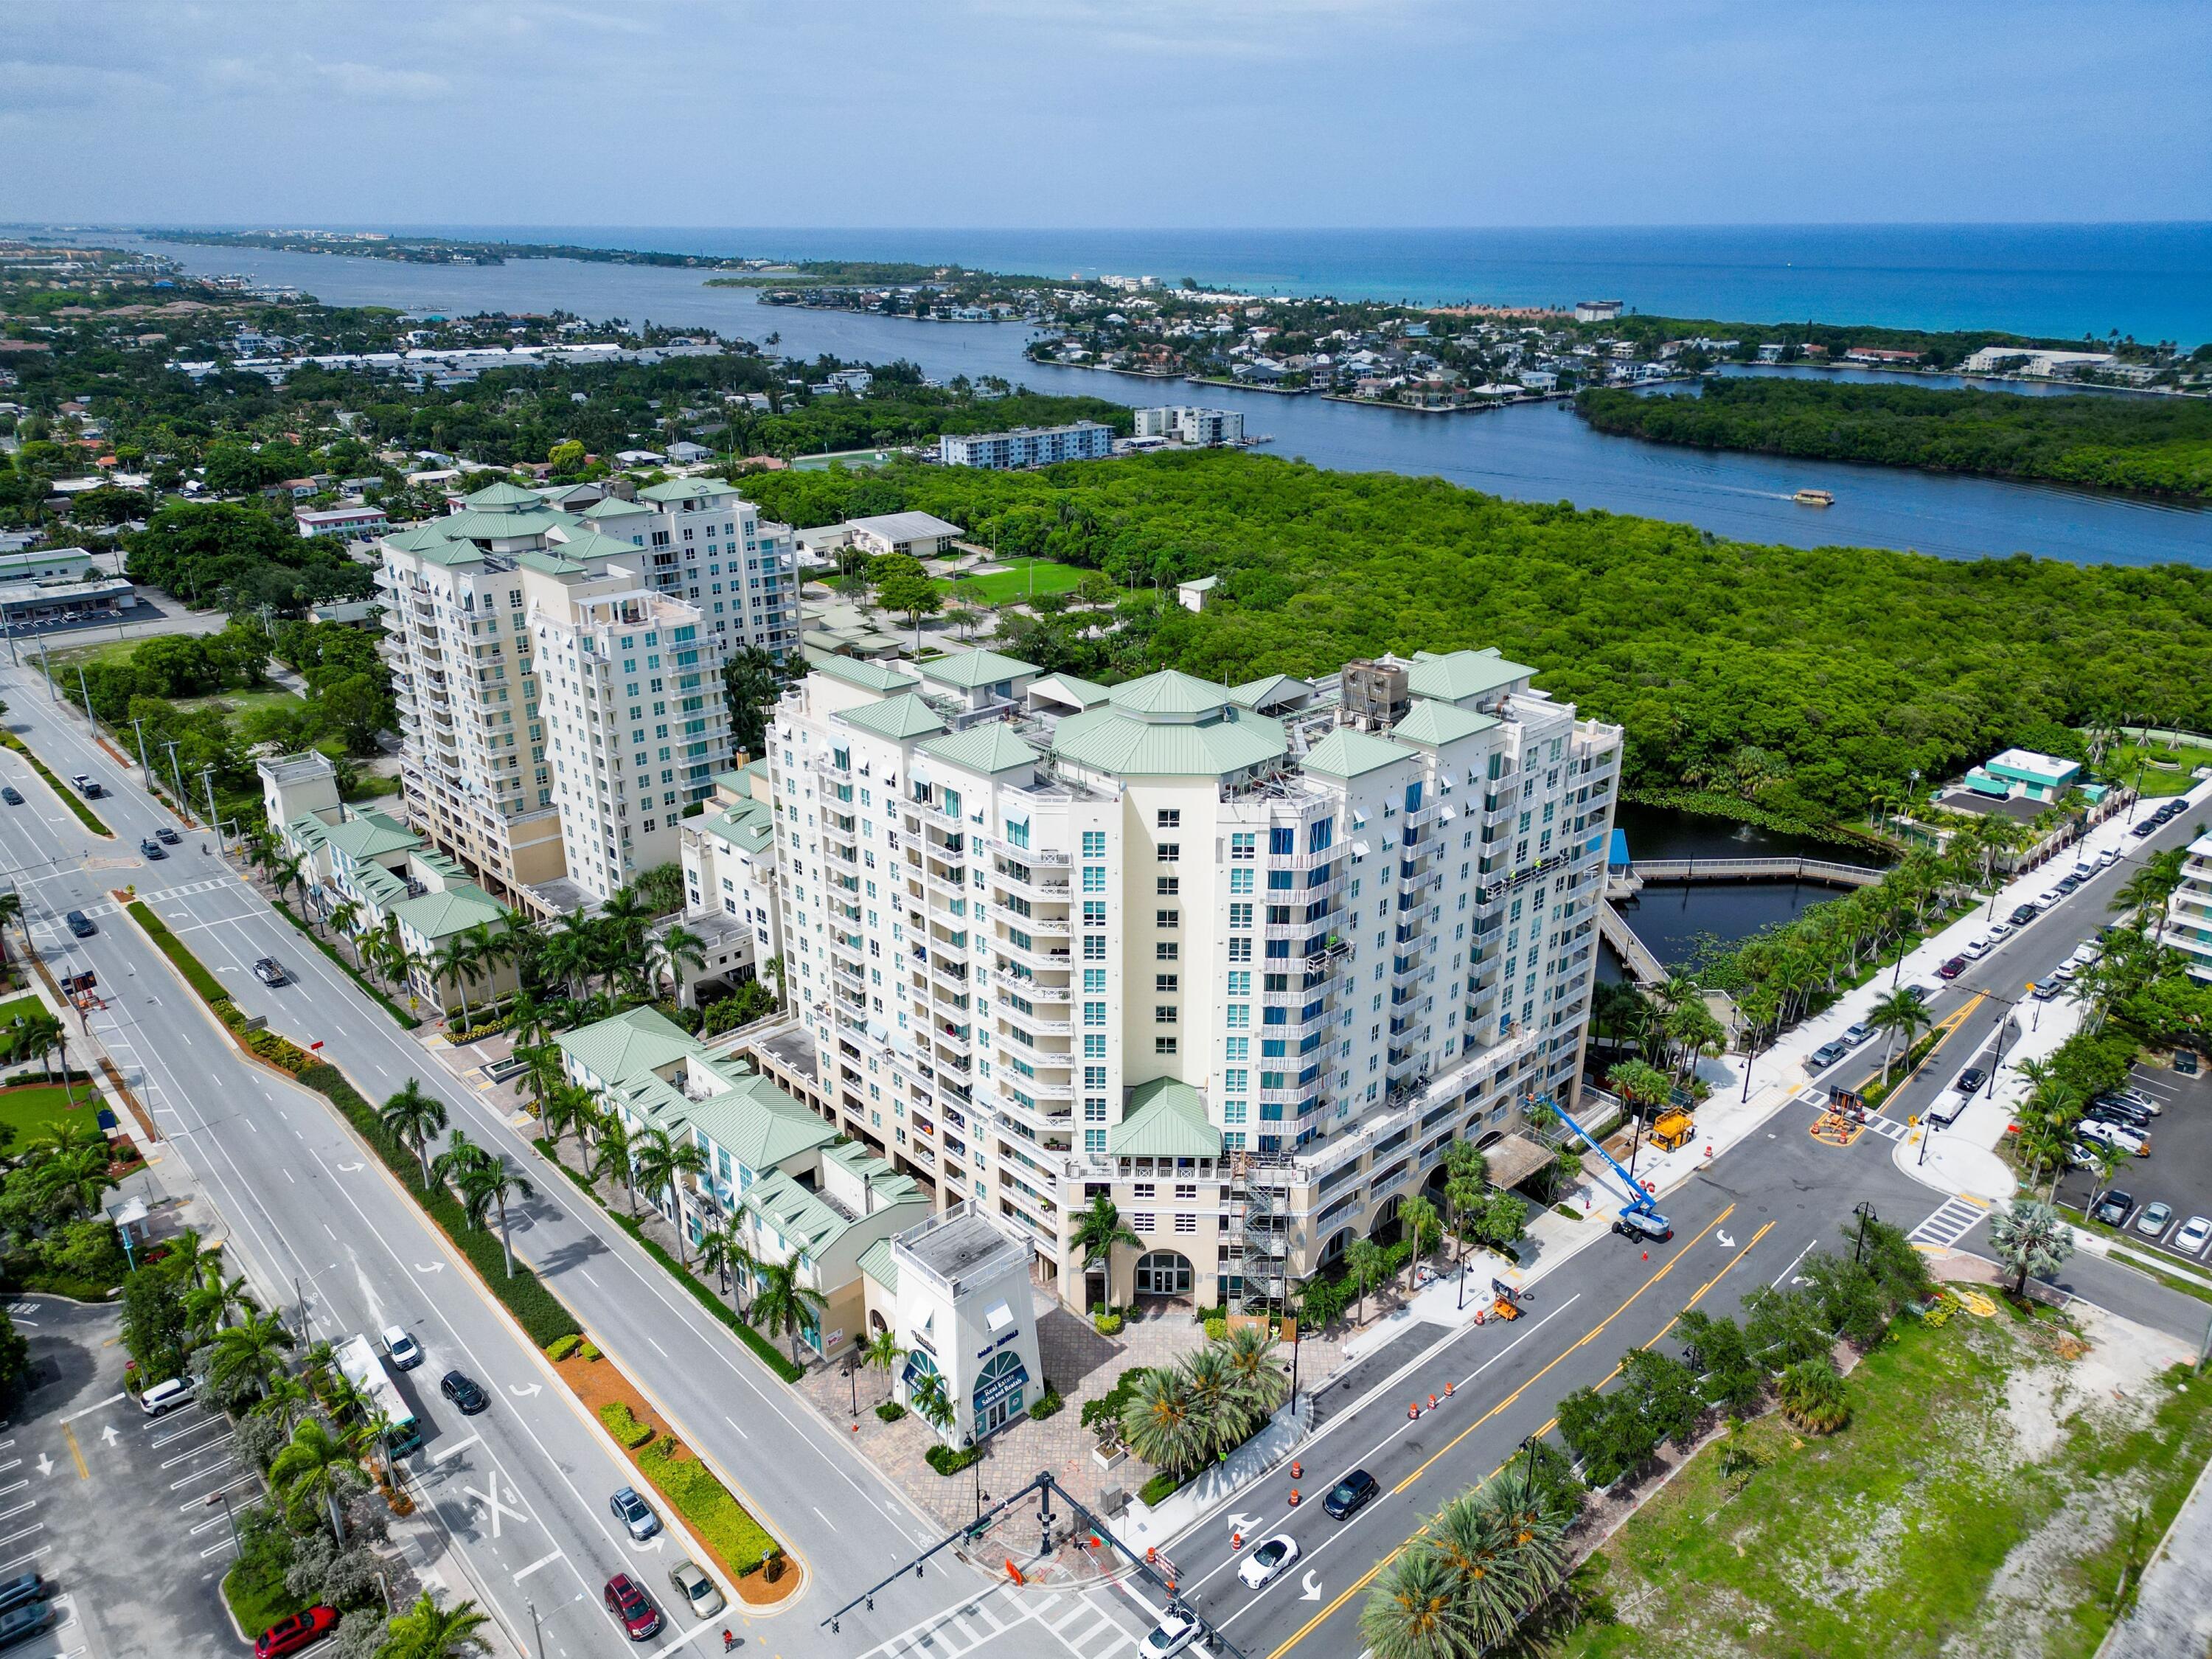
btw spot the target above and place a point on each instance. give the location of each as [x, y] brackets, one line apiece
[22, 1590]
[462, 1390]
[1923, 994]
[632, 1607]
[405, 1352]
[2108, 858]
[2189, 1237]
[1350, 1495]
[1828, 1054]
[2048, 899]
[11, 794]
[1953, 969]
[1860, 1035]
[80, 924]
[2046, 989]
[2153, 1220]
[164, 1397]
[2000, 930]
[151, 850]
[1268, 1561]
[2141, 1099]
[167, 837]
[2112, 1208]
[25, 1622]
[2068, 883]
[1175, 1633]
[301, 1630]
[1975, 950]
[2022, 914]
[635, 1513]
[1970, 1079]
[2118, 1111]
[86, 786]
[268, 971]
[2148, 826]
[695, 1589]
[2114, 1134]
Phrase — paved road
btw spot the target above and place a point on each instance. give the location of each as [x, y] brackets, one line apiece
[844, 1521]
[516, 1495]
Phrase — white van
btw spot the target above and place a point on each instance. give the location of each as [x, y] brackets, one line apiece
[166, 1397]
[2113, 1135]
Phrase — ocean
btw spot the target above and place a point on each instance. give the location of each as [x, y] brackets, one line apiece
[2153, 281]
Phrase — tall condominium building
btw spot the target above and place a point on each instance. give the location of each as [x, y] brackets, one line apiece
[2189, 910]
[1184, 423]
[1247, 961]
[503, 627]
[1086, 440]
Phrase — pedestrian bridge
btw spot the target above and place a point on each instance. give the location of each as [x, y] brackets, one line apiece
[1781, 869]
[1643, 968]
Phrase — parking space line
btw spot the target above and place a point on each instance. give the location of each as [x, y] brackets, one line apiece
[100, 1405]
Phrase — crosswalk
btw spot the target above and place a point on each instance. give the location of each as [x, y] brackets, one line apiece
[1950, 1222]
[1077, 1624]
[1888, 1129]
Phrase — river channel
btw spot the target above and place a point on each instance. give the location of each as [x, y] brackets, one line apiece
[1530, 452]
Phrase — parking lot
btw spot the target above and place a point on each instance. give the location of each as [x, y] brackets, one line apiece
[105, 1505]
[2177, 1172]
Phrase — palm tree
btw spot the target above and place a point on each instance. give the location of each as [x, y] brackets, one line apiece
[290, 1397]
[1098, 1230]
[723, 1252]
[317, 1466]
[571, 949]
[426, 1630]
[2146, 892]
[1261, 1380]
[283, 871]
[1815, 1396]
[1466, 1173]
[486, 1184]
[1418, 1217]
[1162, 1422]
[661, 1162]
[1367, 1262]
[457, 962]
[36, 1036]
[2110, 1157]
[783, 1305]
[931, 1402]
[1414, 1611]
[675, 951]
[345, 917]
[1900, 1015]
[11, 909]
[210, 1306]
[252, 1351]
[567, 1106]
[882, 1353]
[612, 1151]
[526, 1019]
[1479, 1539]
[541, 1071]
[2031, 1238]
[412, 1116]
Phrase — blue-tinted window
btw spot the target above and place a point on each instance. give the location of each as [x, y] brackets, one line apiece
[1283, 840]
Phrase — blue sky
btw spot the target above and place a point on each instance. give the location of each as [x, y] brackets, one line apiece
[1105, 112]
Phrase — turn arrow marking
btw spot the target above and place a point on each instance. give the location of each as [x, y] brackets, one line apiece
[350, 1168]
[46, 1464]
[1309, 1587]
[434, 1268]
[108, 1435]
[1726, 1242]
[525, 1393]
[1241, 1522]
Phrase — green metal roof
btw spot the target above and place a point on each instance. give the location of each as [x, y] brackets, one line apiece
[1345, 753]
[897, 718]
[441, 915]
[1434, 724]
[687, 489]
[503, 496]
[420, 539]
[369, 835]
[1084, 694]
[1167, 694]
[748, 827]
[625, 1046]
[1271, 688]
[1166, 1119]
[1106, 741]
[610, 507]
[989, 750]
[553, 564]
[505, 526]
[592, 544]
[868, 676]
[309, 831]
[1460, 674]
[967, 670]
[876, 1263]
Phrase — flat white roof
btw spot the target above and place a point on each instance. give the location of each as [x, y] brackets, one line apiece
[2041, 766]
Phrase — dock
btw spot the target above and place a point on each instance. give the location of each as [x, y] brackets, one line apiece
[1643, 968]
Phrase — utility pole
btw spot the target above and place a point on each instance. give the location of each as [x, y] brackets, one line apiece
[89, 719]
[47, 667]
[184, 801]
[207, 781]
[138, 726]
[1864, 1212]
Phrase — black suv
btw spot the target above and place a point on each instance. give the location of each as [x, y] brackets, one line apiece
[80, 924]
[2024, 914]
[462, 1390]
[1350, 1495]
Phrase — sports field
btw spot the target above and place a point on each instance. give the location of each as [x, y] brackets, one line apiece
[1019, 580]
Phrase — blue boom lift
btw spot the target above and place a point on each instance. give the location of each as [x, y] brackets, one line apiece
[1641, 1216]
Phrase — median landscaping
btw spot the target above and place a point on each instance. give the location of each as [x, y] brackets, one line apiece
[85, 814]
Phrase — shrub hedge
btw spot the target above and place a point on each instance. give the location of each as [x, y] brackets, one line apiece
[946, 1460]
[562, 1346]
[706, 1503]
[890, 1411]
[1160, 1486]
[763, 1350]
[622, 1423]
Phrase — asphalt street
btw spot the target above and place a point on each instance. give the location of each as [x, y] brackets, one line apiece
[845, 1524]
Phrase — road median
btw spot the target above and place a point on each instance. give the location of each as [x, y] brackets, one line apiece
[85, 814]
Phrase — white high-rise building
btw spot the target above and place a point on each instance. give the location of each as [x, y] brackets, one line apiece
[1246, 961]
[1184, 423]
[2189, 910]
[503, 623]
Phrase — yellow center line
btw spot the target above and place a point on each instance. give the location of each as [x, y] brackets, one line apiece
[69, 1434]
[1321, 1618]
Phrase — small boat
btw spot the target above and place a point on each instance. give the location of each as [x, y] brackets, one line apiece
[1814, 498]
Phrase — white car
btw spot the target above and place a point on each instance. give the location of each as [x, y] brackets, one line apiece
[1173, 1634]
[1268, 1560]
[2000, 930]
[2049, 901]
[2113, 1135]
[402, 1350]
[2189, 1237]
[1976, 948]
[2109, 857]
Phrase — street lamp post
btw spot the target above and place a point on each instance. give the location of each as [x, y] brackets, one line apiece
[1864, 1212]
[223, 1497]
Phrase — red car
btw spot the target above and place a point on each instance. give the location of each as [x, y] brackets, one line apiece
[300, 1631]
[1953, 969]
[628, 1601]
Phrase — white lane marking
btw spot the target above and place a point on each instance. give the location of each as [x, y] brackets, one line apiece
[547, 1559]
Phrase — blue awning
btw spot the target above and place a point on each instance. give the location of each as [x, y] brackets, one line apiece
[996, 1385]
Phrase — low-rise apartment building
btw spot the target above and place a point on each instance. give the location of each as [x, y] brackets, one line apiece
[1026, 446]
[1245, 960]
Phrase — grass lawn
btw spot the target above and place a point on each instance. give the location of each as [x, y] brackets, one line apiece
[1018, 580]
[243, 702]
[16, 1008]
[115, 651]
[1983, 1498]
[2167, 772]
[34, 1110]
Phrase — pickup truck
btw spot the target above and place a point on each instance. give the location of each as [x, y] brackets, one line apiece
[86, 786]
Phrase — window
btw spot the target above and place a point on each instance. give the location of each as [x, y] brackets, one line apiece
[1094, 1140]
[1185, 1224]
[1240, 915]
[1164, 1045]
[1166, 950]
[1168, 886]
[1170, 852]
[1164, 985]
[1167, 918]
[1239, 1015]
[1094, 915]
[1240, 983]
[1233, 1082]
[1243, 845]
[1094, 981]
[1163, 1013]
[1094, 946]
[1094, 844]
[1240, 950]
[1240, 881]
[1320, 835]
[1142, 1221]
[1282, 841]
[1170, 818]
[1094, 877]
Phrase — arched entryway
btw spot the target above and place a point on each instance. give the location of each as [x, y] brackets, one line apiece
[998, 1393]
[1384, 1229]
[1163, 1272]
[876, 1321]
[1339, 1242]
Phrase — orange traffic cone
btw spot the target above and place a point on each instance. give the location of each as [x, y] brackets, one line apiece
[1236, 1540]
[1294, 1498]
[1297, 1470]
[1412, 1409]
[1433, 1402]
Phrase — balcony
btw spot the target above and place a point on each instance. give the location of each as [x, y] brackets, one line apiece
[1051, 961]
